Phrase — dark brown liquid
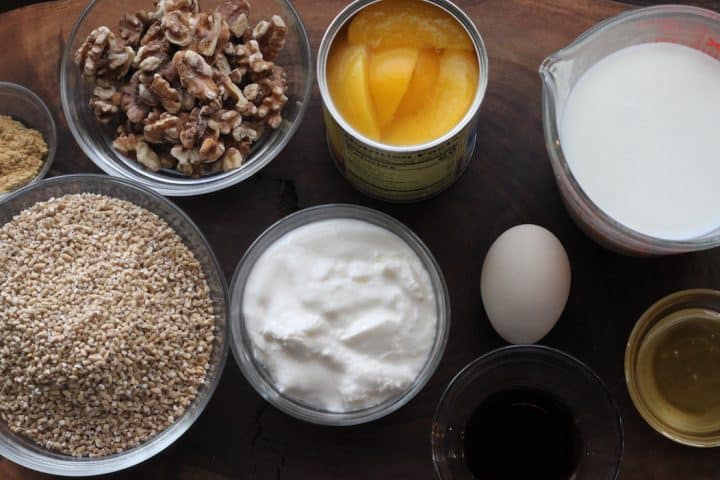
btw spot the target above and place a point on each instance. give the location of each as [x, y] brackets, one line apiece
[522, 434]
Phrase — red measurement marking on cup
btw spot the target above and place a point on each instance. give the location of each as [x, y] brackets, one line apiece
[710, 46]
[712, 43]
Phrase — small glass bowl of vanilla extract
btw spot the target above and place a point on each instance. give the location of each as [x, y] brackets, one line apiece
[672, 362]
[527, 412]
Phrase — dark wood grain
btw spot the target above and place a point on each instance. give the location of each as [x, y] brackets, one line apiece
[712, 4]
[508, 182]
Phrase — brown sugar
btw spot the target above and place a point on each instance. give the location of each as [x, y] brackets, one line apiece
[22, 153]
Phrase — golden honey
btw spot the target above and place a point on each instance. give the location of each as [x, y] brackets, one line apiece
[679, 370]
[672, 362]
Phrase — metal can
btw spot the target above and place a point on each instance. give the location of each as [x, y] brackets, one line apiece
[401, 173]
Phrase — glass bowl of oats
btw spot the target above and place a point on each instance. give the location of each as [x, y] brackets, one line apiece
[28, 139]
[113, 324]
[186, 97]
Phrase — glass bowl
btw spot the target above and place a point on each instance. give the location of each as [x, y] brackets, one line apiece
[242, 347]
[26, 107]
[548, 370]
[96, 139]
[690, 26]
[28, 454]
[703, 299]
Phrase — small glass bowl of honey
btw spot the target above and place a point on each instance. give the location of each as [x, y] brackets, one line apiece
[672, 362]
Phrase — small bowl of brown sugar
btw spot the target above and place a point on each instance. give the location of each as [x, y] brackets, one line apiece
[27, 138]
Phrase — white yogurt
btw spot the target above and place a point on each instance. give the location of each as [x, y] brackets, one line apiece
[342, 313]
[641, 134]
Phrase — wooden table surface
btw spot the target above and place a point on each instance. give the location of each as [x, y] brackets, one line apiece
[508, 182]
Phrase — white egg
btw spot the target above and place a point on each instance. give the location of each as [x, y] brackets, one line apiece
[525, 283]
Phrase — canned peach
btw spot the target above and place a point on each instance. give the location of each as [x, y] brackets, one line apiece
[387, 136]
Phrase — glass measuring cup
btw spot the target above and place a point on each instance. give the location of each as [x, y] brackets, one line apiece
[689, 26]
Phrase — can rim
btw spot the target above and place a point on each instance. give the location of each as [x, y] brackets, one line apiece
[480, 51]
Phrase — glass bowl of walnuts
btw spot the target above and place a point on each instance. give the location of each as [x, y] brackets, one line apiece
[185, 97]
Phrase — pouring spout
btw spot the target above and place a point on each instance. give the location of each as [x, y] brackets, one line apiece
[552, 69]
[556, 72]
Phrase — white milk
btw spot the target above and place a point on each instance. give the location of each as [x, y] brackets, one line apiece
[641, 133]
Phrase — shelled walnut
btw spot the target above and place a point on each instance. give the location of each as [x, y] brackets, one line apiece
[187, 89]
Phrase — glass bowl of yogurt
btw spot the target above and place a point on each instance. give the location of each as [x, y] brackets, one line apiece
[628, 110]
[339, 314]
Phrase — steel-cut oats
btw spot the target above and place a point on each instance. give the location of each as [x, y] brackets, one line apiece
[106, 325]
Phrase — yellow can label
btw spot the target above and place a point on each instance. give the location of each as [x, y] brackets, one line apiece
[398, 176]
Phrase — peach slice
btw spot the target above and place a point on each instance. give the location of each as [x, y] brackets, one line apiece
[456, 87]
[409, 130]
[453, 93]
[348, 83]
[407, 23]
[389, 76]
[420, 91]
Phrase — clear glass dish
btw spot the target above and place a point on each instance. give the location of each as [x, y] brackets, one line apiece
[536, 367]
[242, 347]
[26, 453]
[690, 26]
[687, 299]
[96, 139]
[29, 109]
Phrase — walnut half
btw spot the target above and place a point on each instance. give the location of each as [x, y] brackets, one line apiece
[196, 76]
[162, 128]
[179, 27]
[236, 15]
[211, 31]
[105, 101]
[101, 55]
[232, 159]
[169, 97]
[129, 144]
[271, 36]
[132, 26]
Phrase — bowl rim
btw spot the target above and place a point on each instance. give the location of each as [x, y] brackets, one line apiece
[241, 345]
[68, 466]
[51, 142]
[512, 353]
[183, 186]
